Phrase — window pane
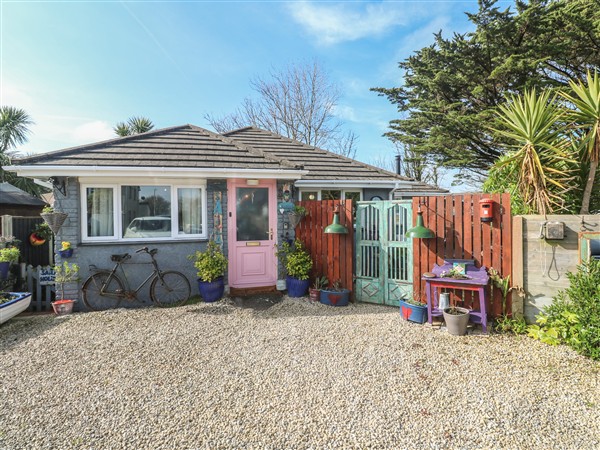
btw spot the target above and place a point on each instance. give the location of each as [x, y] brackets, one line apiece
[252, 213]
[189, 203]
[146, 211]
[100, 212]
[309, 196]
[331, 195]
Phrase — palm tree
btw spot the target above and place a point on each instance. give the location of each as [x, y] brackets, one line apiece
[14, 129]
[586, 117]
[541, 157]
[134, 125]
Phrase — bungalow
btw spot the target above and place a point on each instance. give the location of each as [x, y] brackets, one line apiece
[178, 187]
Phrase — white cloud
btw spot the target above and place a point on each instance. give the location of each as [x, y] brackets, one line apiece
[345, 112]
[97, 130]
[332, 24]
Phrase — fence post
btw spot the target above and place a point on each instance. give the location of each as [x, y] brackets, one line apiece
[517, 267]
[7, 228]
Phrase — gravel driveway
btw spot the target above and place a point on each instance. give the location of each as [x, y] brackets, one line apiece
[296, 375]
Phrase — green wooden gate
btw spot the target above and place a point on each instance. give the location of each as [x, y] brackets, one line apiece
[384, 260]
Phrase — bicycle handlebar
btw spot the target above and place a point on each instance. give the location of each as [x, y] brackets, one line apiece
[152, 252]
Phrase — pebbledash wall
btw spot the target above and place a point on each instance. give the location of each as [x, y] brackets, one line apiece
[540, 266]
[171, 255]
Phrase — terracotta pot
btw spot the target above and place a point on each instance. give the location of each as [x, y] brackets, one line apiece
[63, 307]
[314, 294]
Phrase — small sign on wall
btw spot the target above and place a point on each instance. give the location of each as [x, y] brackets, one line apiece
[46, 276]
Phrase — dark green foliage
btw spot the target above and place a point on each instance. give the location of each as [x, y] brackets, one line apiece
[574, 316]
[452, 88]
[506, 324]
[14, 131]
[134, 125]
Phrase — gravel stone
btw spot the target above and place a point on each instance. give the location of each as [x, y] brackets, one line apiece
[294, 375]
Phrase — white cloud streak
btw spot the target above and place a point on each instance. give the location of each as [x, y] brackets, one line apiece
[334, 23]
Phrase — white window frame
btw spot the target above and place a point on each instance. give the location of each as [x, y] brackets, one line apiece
[174, 185]
[343, 192]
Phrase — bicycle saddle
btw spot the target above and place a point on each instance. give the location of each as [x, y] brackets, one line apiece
[119, 258]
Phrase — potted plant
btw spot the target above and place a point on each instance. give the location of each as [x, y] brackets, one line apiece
[457, 273]
[8, 255]
[40, 234]
[298, 264]
[413, 310]
[315, 292]
[336, 295]
[12, 303]
[64, 273]
[66, 251]
[211, 265]
[296, 215]
[54, 219]
[456, 319]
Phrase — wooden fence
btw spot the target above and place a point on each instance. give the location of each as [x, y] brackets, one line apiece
[40, 282]
[460, 234]
[332, 254]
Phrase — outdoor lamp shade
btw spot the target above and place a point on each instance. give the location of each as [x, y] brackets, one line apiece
[336, 227]
[420, 231]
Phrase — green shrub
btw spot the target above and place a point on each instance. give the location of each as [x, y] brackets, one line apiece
[295, 259]
[573, 318]
[9, 254]
[506, 324]
[211, 264]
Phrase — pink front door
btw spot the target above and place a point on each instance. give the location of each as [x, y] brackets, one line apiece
[251, 232]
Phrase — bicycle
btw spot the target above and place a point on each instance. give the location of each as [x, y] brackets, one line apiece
[104, 288]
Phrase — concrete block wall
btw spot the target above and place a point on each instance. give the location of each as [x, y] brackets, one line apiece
[283, 234]
[542, 265]
[70, 231]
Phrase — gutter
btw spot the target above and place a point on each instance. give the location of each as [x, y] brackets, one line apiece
[47, 171]
[353, 183]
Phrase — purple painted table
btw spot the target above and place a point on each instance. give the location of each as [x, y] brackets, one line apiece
[478, 280]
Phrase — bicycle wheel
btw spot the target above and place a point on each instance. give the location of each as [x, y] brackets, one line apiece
[94, 300]
[172, 289]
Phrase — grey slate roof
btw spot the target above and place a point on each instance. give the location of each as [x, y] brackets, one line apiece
[12, 195]
[182, 146]
[321, 164]
[190, 146]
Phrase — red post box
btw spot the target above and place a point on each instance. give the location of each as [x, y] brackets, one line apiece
[486, 209]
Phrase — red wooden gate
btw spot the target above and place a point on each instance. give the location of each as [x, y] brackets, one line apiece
[332, 254]
[460, 234]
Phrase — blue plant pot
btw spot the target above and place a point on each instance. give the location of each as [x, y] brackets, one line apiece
[4, 266]
[66, 253]
[413, 313]
[296, 287]
[211, 291]
[335, 298]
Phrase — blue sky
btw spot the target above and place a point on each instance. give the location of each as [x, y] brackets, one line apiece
[78, 67]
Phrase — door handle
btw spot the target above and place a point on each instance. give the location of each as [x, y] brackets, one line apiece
[271, 234]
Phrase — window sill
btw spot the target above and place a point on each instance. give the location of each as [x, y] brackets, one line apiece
[145, 242]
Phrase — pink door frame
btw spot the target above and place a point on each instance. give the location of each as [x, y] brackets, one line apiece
[253, 265]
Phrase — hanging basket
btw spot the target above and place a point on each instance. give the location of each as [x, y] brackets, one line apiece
[54, 220]
[295, 219]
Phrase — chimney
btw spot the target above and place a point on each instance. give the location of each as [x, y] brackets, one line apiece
[398, 164]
